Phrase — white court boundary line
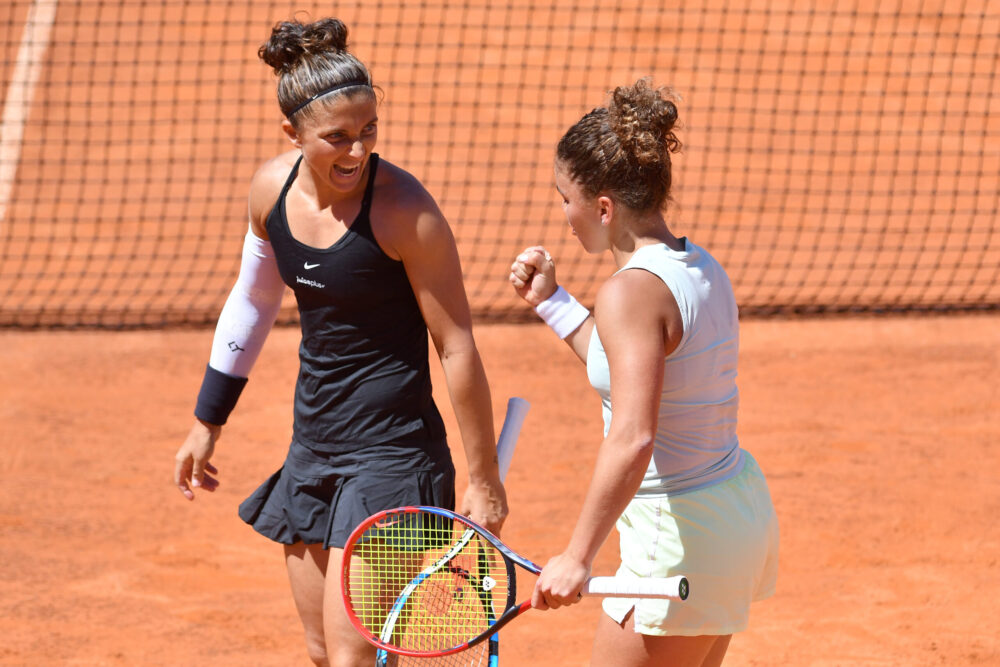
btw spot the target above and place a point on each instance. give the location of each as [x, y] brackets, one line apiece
[21, 92]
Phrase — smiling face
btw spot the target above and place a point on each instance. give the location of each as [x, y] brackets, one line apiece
[337, 143]
[584, 213]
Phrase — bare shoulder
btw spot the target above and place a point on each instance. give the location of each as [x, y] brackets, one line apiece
[622, 293]
[400, 192]
[404, 214]
[636, 301]
[265, 186]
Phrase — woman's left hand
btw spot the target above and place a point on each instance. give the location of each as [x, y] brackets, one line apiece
[486, 504]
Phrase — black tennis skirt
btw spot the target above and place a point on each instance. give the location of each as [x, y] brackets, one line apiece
[319, 497]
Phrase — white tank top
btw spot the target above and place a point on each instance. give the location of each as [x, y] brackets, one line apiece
[696, 443]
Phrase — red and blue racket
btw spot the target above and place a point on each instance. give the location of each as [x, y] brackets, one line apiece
[424, 582]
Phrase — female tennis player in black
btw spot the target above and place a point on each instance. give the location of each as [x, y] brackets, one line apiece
[374, 268]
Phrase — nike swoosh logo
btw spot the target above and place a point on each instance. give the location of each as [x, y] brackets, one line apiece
[308, 266]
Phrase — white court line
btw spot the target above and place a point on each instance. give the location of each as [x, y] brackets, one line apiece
[21, 91]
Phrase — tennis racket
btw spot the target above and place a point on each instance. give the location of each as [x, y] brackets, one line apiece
[424, 581]
[485, 654]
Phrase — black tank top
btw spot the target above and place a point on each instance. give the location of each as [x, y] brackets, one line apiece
[364, 377]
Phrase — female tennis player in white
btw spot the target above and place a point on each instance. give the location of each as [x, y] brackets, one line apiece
[661, 350]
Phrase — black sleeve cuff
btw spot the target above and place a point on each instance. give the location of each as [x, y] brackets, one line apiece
[218, 396]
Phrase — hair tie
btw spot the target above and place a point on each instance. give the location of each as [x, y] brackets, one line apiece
[327, 91]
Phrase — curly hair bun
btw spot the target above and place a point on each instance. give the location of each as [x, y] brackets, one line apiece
[292, 41]
[643, 118]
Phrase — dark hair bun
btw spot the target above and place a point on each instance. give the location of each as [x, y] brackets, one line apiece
[291, 41]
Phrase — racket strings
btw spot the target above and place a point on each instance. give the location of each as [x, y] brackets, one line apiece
[477, 656]
[425, 582]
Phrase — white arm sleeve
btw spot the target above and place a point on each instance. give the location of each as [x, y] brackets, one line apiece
[250, 310]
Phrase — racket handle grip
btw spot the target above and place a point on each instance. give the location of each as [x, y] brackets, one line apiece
[673, 588]
[517, 409]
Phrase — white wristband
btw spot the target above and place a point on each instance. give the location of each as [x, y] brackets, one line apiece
[562, 312]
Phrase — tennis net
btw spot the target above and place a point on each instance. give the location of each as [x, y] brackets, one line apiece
[839, 157]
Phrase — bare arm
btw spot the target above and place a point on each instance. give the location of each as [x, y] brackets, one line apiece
[248, 315]
[638, 321]
[424, 242]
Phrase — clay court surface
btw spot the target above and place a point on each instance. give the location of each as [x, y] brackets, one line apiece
[878, 437]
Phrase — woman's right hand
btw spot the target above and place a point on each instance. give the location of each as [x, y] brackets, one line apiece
[192, 468]
[560, 583]
[533, 275]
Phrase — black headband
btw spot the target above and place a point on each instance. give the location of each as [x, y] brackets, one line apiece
[339, 86]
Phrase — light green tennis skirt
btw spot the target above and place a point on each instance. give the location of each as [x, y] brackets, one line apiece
[723, 538]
